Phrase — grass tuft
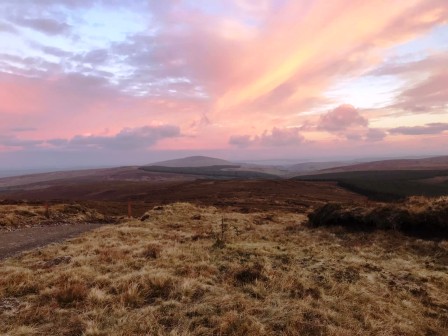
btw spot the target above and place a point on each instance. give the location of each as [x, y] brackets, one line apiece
[71, 294]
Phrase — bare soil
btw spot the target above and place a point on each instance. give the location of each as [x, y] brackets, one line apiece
[14, 242]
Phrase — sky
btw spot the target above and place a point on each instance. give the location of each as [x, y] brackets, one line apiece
[108, 82]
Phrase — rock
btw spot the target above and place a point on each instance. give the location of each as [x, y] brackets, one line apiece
[144, 217]
[58, 261]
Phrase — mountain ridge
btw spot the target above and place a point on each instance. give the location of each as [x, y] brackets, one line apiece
[430, 163]
[193, 161]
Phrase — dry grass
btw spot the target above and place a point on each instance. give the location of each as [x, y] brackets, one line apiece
[273, 276]
[16, 216]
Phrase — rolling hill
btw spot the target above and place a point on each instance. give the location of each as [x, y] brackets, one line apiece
[431, 163]
[193, 161]
[128, 174]
[386, 185]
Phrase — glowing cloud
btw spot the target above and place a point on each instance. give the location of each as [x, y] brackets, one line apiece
[230, 76]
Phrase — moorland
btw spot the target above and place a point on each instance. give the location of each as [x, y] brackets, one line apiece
[297, 254]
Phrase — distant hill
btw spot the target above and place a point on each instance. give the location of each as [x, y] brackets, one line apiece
[386, 185]
[389, 179]
[432, 163]
[314, 166]
[193, 161]
[214, 172]
[129, 174]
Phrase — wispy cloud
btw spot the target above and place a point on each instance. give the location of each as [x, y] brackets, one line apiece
[46, 26]
[127, 139]
[22, 129]
[430, 94]
[228, 74]
[7, 28]
[431, 128]
[277, 137]
[12, 141]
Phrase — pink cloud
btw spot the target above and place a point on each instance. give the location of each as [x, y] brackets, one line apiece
[282, 137]
[429, 94]
[241, 140]
[375, 134]
[277, 137]
[431, 128]
[128, 139]
[433, 63]
[348, 122]
[342, 118]
[66, 105]
[301, 56]
[427, 83]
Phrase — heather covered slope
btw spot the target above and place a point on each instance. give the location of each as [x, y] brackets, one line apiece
[389, 185]
[174, 273]
[421, 216]
[119, 174]
[431, 163]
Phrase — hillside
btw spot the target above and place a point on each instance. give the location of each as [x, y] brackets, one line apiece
[432, 163]
[126, 174]
[388, 184]
[193, 161]
[307, 167]
[212, 172]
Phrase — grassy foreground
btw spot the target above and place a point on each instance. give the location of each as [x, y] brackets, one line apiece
[174, 274]
[17, 216]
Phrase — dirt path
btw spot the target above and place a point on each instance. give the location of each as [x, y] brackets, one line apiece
[14, 242]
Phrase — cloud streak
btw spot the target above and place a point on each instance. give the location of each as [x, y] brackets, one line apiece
[46, 26]
[431, 128]
[225, 74]
[128, 139]
[317, 56]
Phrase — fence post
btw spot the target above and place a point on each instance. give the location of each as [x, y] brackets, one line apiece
[129, 209]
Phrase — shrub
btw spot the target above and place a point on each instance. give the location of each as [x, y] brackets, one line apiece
[70, 294]
[152, 251]
[250, 274]
[417, 215]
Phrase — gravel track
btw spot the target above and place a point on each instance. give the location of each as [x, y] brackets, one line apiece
[15, 242]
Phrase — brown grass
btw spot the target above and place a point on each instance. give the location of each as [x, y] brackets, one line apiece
[15, 216]
[162, 276]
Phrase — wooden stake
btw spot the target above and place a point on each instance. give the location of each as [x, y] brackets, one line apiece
[129, 209]
[47, 210]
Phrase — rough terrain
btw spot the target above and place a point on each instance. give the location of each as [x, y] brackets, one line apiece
[189, 270]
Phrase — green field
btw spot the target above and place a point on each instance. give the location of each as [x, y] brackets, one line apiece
[388, 184]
